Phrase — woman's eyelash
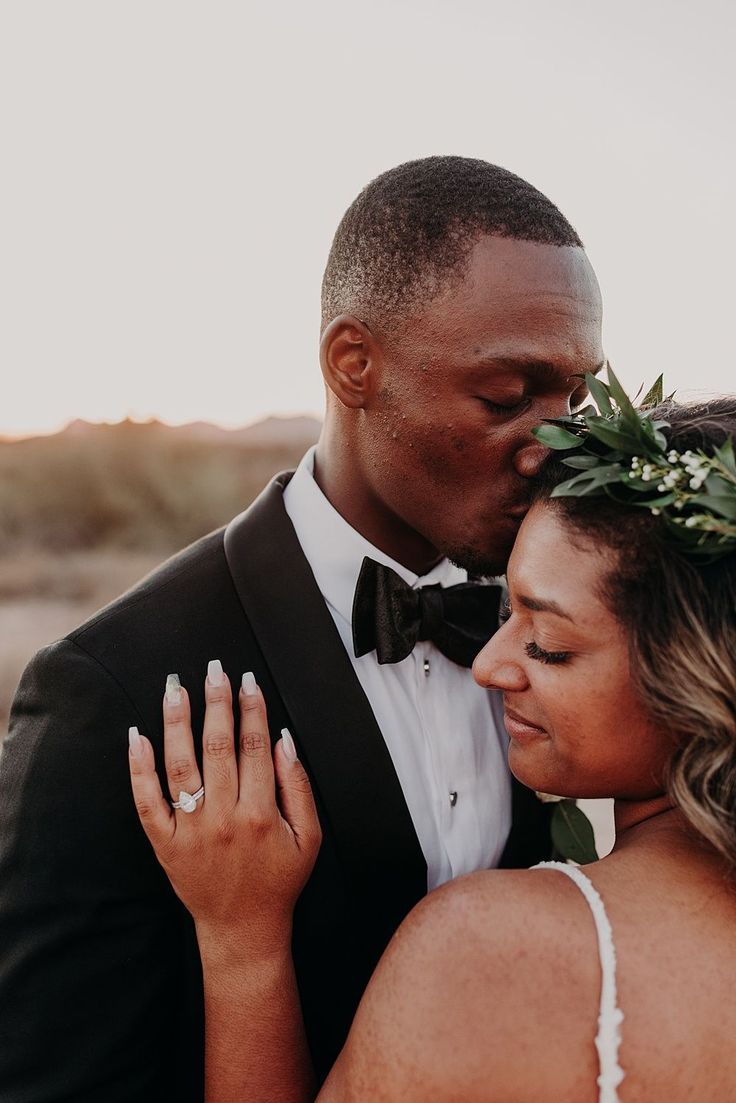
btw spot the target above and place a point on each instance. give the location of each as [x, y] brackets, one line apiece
[534, 651]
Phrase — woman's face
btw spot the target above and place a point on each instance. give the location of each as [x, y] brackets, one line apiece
[575, 723]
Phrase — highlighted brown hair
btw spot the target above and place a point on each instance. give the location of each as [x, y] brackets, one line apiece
[680, 619]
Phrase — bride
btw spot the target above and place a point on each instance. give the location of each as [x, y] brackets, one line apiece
[617, 665]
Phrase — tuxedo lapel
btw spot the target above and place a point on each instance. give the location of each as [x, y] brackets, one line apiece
[331, 719]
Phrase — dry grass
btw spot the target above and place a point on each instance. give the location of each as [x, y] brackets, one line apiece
[42, 597]
[84, 515]
[127, 486]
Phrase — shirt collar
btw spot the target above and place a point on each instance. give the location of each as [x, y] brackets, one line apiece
[335, 550]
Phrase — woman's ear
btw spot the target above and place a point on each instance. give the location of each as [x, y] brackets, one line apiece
[347, 354]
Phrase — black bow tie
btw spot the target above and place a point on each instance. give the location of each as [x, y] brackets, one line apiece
[389, 616]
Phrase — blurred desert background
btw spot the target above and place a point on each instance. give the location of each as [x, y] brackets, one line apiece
[86, 512]
[173, 173]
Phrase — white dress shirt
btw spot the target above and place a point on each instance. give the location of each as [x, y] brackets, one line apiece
[444, 733]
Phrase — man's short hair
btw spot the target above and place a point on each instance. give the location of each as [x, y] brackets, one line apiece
[410, 231]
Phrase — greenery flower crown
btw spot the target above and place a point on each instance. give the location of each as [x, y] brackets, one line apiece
[620, 450]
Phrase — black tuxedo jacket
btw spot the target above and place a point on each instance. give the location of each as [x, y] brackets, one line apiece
[100, 983]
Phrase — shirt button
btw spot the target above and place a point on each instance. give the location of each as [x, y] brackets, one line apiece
[453, 798]
[426, 668]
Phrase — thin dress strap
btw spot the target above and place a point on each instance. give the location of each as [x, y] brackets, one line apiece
[610, 1016]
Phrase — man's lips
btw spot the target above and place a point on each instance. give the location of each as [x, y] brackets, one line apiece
[517, 511]
[519, 726]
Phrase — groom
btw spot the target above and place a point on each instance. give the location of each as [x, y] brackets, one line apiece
[459, 310]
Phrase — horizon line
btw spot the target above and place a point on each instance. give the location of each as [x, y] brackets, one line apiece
[7, 436]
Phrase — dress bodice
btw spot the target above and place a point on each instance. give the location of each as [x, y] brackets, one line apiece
[610, 1016]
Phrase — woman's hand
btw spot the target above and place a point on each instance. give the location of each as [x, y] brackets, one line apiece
[239, 860]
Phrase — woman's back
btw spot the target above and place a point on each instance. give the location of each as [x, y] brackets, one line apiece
[492, 992]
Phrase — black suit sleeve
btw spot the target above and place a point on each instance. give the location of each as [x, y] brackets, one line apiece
[99, 985]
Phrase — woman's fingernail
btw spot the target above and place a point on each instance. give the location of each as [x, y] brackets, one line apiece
[289, 748]
[135, 742]
[173, 690]
[249, 683]
[215, 673]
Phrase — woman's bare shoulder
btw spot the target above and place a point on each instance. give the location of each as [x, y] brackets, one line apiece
[481, 982]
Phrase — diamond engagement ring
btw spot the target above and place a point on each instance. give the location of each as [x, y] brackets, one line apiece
[187, 802]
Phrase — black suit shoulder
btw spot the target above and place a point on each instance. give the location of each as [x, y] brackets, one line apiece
[172, 583]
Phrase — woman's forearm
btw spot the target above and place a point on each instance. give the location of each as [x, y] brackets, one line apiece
[255, 1043]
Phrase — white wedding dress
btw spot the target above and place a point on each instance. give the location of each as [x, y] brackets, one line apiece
[610, 1016]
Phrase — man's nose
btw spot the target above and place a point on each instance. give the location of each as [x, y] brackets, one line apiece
[529, 458]
[495, 668]
[530, 455]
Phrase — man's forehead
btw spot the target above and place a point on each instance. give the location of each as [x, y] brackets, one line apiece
[505, 270]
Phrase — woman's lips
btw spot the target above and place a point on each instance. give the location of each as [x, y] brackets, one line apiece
[519, 727]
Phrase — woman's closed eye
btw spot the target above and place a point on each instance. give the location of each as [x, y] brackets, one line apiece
[534, 651]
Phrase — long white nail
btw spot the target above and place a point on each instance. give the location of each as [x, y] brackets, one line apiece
[215, 673]
[135, 742]
[289, 748]
[173, 689]
[249, 683]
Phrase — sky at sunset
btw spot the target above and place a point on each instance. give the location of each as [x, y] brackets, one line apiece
[174, 171]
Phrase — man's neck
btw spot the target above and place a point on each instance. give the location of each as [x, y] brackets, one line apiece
[348, 494]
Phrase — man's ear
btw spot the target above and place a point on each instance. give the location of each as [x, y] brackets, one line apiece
[348, 353]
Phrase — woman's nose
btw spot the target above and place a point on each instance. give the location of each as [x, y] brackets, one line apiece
[494, 668]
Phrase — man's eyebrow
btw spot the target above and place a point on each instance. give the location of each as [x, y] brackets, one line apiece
[539, 605]
[541, 370]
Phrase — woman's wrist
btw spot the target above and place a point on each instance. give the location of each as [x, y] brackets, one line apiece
[230, 948]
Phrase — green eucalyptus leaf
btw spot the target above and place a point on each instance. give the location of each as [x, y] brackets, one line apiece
[717, 484]
[722, 504]
[654, 395]
[572, 834]
[658, 502]
[619, 395]
[608, 472]
[587, 482]
[599, 394]
[585, 411]
[573, 488]
[613, 437]
[725, 454]
[583, 463]
[555, 437]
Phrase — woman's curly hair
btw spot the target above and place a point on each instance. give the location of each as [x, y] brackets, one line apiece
[680, 620]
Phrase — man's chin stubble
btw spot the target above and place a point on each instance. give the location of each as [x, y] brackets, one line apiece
[476, 563]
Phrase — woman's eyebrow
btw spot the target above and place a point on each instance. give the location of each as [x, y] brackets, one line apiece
[540, 605]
